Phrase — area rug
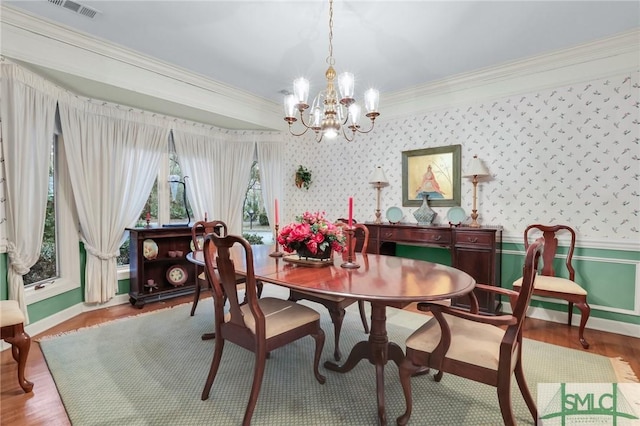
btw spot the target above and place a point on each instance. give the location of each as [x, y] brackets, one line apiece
[150, 370]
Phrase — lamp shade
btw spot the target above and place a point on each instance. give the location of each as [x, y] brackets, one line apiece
[476, 168]
[378, 176]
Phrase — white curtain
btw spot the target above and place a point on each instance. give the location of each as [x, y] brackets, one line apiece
[28, 117]
[113, 162]
[233, 160]
[196, 154]
[271, 163]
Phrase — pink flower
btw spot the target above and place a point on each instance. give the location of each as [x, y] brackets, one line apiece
[313, 231]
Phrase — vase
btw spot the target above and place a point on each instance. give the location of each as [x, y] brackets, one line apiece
[304, 252]
[424, 215]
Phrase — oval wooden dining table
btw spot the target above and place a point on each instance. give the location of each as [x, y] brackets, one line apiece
[381, 280]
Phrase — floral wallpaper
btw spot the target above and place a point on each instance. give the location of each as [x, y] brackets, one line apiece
[568, 154]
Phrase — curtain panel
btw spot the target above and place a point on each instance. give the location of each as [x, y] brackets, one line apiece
[271, 162]
[28, 108]
[113, 156]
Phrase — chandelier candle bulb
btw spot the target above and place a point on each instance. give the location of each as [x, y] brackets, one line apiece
[371, 99]
[301, 91]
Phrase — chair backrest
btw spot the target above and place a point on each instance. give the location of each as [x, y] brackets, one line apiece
[200, 229]
[550, 236]
[529, 271]
[218, 254]
[361, 235]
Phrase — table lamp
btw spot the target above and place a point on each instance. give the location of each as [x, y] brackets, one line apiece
[378, 180]
[476, 170]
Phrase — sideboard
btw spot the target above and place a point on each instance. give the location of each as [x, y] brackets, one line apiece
[476, 251]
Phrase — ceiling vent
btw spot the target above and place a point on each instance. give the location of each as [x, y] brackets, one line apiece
[75, 7]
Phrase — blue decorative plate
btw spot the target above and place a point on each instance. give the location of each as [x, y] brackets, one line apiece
[394, 214]
[456, 215]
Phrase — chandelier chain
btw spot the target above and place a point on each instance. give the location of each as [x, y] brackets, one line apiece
[330, 59]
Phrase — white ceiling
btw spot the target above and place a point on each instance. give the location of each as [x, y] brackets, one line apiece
[393, 45]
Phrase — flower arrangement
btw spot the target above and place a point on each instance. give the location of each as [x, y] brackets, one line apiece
[312, 232]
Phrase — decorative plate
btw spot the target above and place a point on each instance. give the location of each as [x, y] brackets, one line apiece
[177, 275]
[394, 214]
[456, 215]
[200, 243]
[149, 249]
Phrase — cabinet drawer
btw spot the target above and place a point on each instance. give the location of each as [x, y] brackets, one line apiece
[417, 235]
[474, 238]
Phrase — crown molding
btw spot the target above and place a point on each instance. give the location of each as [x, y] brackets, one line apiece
[44, 43]
[610, 56]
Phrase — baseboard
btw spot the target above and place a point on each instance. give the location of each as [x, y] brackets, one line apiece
[594, 323]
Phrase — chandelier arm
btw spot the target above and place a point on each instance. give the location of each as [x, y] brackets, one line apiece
[304, 123]
[344, 133]
[298, 134]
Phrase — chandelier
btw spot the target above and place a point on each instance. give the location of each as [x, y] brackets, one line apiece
[329, 116]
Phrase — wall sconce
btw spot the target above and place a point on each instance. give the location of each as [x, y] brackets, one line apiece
[378, 180]
[476, 170]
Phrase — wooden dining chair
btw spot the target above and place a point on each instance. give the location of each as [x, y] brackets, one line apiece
[548, 284]
[483, 348]
[12, 331]
[198, 232]
[336, 304]
[260, 325]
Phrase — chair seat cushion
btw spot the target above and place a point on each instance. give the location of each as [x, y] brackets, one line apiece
[559, 285]
[280, 316]
[10, 313]
[471, 342]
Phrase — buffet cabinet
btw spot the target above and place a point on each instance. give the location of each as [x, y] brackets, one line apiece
[158, 265]
[476, 251]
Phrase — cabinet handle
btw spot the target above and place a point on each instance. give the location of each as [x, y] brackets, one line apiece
[436, 237]
[473, 240]
[388, 235]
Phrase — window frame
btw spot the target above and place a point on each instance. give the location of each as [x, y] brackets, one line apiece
[67, 236]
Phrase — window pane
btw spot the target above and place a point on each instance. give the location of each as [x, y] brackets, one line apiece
[46, 268]
[150, 207]
[255, 224]
[178, 202]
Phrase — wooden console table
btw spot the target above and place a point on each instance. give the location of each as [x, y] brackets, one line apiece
[476, 251]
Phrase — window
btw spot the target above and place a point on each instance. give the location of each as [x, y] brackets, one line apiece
[54, 274]
[46, 268]
[255, 223]
[166, 202]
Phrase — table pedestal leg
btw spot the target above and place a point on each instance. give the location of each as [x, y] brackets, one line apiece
[377, 350]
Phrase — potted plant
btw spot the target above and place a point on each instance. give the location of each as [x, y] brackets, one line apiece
[303, 177]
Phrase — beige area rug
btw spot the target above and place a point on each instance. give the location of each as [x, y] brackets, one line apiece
[150, 370]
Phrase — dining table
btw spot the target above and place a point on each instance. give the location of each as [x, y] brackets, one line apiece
[384, 281]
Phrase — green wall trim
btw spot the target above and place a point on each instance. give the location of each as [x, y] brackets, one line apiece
[609, 276]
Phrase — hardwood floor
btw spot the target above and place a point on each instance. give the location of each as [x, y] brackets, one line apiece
[44, 407]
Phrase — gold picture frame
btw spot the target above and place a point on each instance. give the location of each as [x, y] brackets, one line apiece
[434, 172]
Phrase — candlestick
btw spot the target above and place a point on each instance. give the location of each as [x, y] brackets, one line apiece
[148, 219]
[350, 212]
[276, 252]
[350, 264]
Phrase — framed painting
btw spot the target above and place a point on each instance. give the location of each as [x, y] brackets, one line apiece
[431, 172]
